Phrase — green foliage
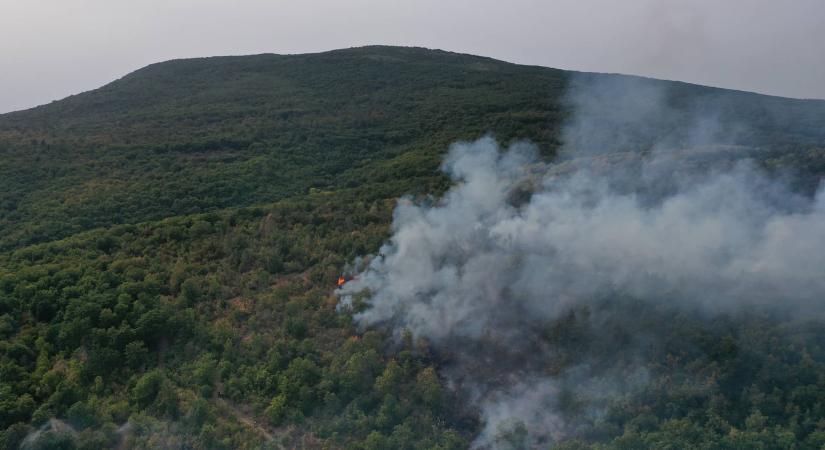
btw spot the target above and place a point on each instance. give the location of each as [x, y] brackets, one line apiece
[147, 388]
[11, 437]
[277, 410]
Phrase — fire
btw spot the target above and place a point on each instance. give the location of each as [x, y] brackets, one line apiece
[341, 281]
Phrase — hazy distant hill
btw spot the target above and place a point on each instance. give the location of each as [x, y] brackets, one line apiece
[169, 242]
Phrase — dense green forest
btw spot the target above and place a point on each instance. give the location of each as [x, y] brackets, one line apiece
[169, 245]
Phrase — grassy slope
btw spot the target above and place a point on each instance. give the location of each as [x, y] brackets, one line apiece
[169, 240]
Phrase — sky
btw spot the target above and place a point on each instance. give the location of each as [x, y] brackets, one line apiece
[50, 49]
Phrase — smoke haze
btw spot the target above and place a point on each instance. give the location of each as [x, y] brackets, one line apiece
[518, 244]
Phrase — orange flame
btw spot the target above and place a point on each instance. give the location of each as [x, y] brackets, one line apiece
[341, 281]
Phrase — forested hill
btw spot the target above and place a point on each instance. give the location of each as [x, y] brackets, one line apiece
[169, 244]
[197, 135]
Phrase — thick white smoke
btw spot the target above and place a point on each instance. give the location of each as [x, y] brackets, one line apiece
[451, 268]
[513, 245]
[517, 243]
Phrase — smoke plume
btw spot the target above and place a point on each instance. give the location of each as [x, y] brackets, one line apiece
[517, 244]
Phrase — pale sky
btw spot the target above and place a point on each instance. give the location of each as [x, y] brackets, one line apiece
[53, 48]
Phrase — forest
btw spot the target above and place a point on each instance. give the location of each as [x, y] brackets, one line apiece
[170, 243]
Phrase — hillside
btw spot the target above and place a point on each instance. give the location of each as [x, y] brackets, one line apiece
[199, 135]
[171, 240]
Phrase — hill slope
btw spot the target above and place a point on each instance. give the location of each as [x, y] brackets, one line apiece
[170, 241]
[198, 135]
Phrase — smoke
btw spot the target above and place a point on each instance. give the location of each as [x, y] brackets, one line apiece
[462, 265]
[54, 433]
[518, 245]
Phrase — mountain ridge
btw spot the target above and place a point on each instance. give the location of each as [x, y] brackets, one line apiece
[421, 50]
[235, 122]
